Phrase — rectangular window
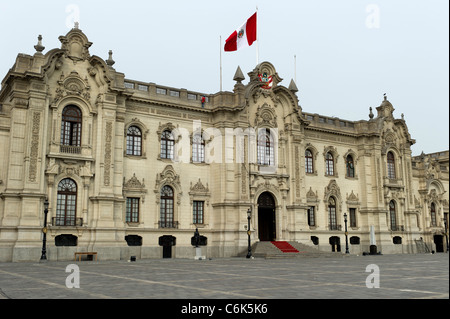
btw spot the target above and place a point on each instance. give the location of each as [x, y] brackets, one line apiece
[142, 87]
[198, 212]
[332, 218]
[174, 93]
[129, 85]
[311, 216]
[132, 210]
[352, 212]
[161, 91]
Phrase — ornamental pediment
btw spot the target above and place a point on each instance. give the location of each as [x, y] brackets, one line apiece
[72, 85]
[75, 44]
[134, 183]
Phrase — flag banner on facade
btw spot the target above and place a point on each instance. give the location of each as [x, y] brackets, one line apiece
[242, 37]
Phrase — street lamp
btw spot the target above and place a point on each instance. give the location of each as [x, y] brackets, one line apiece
[346, 234]
[44, 231]
[249, 216]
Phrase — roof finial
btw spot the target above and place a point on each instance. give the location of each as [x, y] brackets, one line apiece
[293, 86]
[77, 25]
[371, 113]
[39, 47]
[110, 60]
[239, 76]
[385, 97]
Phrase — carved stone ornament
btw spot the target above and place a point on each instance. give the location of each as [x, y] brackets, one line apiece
[72, 85]
[171, 178]
[265, 117]
[134, 183]
[199, 187]
[332, 190]
[75, 45]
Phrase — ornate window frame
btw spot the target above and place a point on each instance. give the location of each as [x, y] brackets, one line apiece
[133, 188]
[314, 153]
[201, 193]
[333, 152]
[144, 132]
[353, 203]
[312, 200]
[168, 177]
[351, 153]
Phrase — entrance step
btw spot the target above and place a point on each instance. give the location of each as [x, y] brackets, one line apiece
[284, 249]
[284, 246]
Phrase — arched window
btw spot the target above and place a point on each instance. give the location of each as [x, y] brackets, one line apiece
[198, 149]
[393, 215]
[391, 165]
[166, 208]
[332, 214]
[329, 164]
[433, 215]
[71, 128]
[350, 166]
[167, 144]
[66, 204]
[134, 141]
[265, 148]
[309, 162]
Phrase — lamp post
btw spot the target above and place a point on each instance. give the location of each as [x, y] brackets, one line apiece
[44, 231]
[249, 216]
[346, 234]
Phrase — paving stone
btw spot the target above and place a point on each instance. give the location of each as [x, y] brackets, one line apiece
[401, 276]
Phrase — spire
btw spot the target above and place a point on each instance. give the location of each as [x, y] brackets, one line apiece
[39, 47]
[293, 87]
[239, 76]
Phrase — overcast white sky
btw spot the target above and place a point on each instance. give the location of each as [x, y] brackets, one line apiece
[349, 52]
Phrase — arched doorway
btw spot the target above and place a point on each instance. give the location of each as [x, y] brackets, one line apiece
[266, 217]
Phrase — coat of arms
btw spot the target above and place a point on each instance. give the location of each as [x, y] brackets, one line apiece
[266, 79]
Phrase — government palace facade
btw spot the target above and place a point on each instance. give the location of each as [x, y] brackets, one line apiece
[129, 168]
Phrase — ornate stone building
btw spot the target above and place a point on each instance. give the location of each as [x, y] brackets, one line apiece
[133, 168]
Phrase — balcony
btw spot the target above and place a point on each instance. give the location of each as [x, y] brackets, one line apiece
[168, 224]
[397, 228]
[70, 149]
[67, 221]
[334, 227]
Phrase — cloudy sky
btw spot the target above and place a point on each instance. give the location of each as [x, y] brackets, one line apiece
[348, 52]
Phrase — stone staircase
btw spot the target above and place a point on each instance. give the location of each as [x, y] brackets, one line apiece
[266, 249]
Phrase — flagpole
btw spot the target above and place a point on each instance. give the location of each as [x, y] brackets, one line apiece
[257, 38]
[220, 48]
[295, 68]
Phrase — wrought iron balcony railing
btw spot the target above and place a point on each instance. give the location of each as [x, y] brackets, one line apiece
[168, 224]
[334, 227]
[397, 228]
[67, 221]
[71, 149]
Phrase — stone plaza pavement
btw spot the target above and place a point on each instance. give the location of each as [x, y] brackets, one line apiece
[400, 276]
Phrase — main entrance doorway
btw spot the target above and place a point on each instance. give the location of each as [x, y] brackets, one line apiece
[439, 242]
[266, 217]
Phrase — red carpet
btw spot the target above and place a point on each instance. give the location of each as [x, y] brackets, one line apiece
[285, 247]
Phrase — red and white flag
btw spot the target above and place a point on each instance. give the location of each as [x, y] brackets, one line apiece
[243, 36]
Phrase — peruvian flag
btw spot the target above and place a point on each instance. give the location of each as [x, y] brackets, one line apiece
[243, 36]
